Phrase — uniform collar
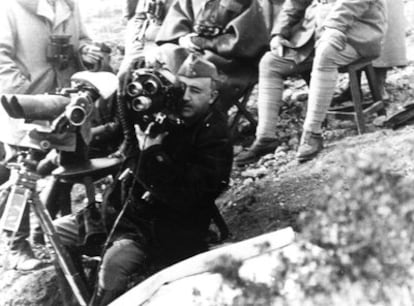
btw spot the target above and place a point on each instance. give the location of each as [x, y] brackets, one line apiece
[63, 10]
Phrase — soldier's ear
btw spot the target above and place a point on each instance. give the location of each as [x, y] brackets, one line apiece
[214, 96]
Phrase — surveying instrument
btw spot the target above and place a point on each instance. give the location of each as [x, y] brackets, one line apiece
[70, 112]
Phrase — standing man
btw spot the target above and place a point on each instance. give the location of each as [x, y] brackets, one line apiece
[320, 36]
[144, 19]
[169, 195]
[42, 43]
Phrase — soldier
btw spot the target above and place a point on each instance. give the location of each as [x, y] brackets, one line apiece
[317, 36]
[181, 173]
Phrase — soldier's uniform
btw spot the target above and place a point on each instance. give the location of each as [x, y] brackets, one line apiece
[181, 178]
[231, 34]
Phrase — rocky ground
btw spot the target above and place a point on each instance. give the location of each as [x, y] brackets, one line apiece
[270, 194]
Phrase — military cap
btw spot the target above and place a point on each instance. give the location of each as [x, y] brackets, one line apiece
[195, 66]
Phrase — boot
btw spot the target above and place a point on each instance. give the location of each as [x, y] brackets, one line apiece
[310, 145]
[259, 148]
[37, 236]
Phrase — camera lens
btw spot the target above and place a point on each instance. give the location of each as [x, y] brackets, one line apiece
[151, 87]
[140, 104]
[134, 89]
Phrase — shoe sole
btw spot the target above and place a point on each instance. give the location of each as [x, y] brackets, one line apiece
[302, 159]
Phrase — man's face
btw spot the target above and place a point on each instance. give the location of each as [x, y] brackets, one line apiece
[198, 97]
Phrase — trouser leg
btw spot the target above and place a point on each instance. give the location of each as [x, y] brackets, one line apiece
[381, 75]
[120, 261]
[323, 81]
[56, 197]
[272, 72]
[68, 230]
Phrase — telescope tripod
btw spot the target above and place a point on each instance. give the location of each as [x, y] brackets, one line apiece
[22, 192]
[23, 182]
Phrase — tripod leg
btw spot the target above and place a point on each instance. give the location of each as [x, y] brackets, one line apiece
[73, 277]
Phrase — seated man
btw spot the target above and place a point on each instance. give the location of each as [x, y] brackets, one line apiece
[231, 34]
[176, 178]
[323, 35]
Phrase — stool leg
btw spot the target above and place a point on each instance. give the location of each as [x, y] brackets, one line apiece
[357, 100]
[242, 111]
[372, 83]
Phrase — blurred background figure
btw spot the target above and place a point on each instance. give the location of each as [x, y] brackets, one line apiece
[144, 19]
[394, 52]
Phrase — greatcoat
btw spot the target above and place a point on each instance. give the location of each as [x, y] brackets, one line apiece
[26, 26]
[235, 52]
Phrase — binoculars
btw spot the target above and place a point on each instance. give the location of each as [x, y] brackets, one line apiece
[59, 51]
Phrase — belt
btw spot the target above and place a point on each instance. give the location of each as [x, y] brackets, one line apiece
[325, 1]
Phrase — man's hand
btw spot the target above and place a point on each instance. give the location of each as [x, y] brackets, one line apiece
[91, 54]
[145, 141]
[333, 37]
[277, 44]
[186, 42]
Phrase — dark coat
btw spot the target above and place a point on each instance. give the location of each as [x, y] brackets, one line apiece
[184, 176]
[235, 52]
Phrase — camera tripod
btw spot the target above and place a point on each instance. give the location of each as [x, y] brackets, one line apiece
[22, 192]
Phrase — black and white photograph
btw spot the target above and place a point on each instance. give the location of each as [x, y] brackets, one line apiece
[207, 152]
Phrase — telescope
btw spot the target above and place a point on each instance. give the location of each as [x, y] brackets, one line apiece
[67, 109]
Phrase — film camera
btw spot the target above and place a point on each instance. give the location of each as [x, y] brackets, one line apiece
[154, 95]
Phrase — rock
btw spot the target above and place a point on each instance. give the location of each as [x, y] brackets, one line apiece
[293, 143]
[36, 288]
[255, 173]
[247, 181]
[280, 155]
[379, 121]
[282, 148]
[287, 95]
[300, 96]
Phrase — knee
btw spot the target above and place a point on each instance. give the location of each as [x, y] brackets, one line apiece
[121, 260]
[325, 54]
[272, 66]
[266, 65]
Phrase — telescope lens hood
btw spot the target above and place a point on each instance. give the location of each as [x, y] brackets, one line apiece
[12, 107]
[76, 115]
